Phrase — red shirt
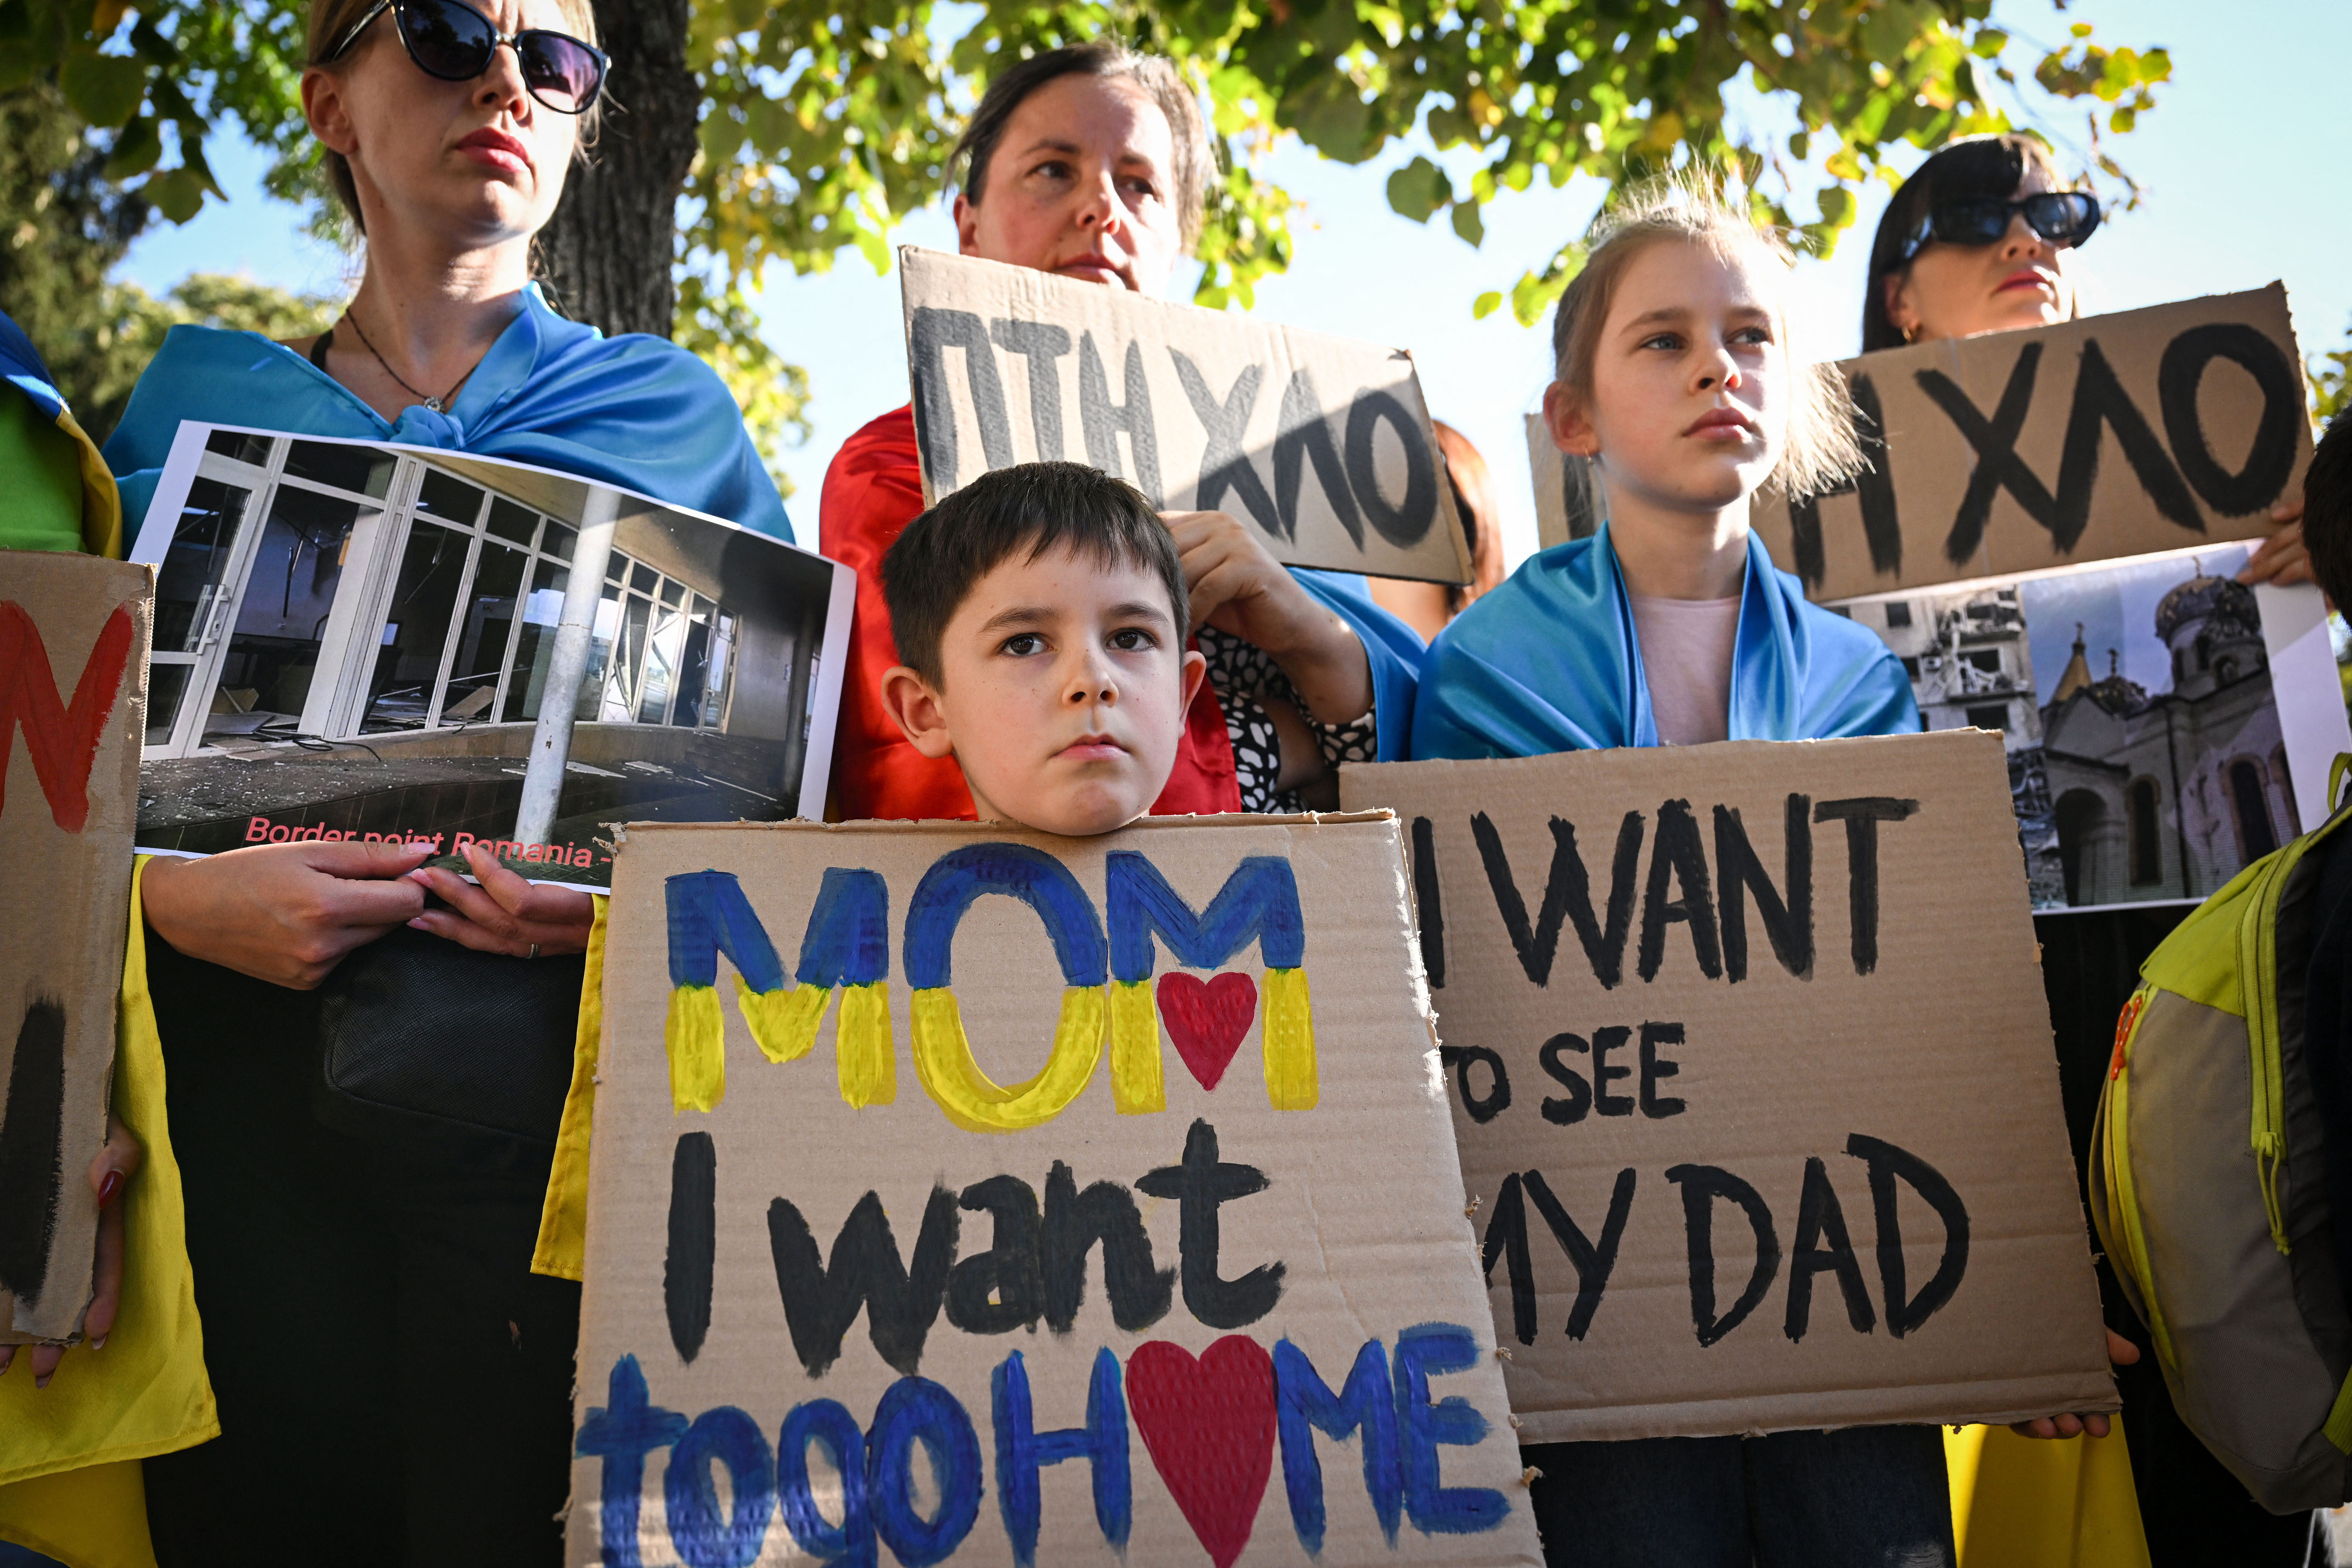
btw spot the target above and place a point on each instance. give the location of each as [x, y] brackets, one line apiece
[872, 492]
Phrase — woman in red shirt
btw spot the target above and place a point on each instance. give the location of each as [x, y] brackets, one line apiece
[1090, 162]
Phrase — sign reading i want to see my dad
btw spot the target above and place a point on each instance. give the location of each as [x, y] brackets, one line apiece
[2016, 452]
[1752, 1077]
[963, 1194]
[1322, 443]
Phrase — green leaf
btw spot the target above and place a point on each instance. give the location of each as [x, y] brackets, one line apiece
[1486, 304]
[104, 89]
[138, 149]
[1468, 223]
[1419, 189]
[177, 193]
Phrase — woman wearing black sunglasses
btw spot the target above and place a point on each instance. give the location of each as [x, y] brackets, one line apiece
[1980, 239]
[393, 1384]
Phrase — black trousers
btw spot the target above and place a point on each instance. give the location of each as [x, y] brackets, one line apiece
[395, 1384]
[1865, 1496]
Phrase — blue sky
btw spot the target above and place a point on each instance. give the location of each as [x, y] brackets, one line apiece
[2226, 159]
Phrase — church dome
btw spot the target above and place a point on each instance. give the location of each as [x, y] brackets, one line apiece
[2223, 604]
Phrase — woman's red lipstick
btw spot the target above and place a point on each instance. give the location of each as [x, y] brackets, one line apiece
[495, 147]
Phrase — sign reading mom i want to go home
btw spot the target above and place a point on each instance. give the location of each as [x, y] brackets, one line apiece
[964, 1193]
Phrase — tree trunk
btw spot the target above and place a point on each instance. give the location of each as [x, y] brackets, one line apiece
[607, 256]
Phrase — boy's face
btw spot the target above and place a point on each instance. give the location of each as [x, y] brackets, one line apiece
[1063, 688]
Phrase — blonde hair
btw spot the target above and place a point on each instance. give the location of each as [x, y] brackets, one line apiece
[331, 19]
[1821, 449]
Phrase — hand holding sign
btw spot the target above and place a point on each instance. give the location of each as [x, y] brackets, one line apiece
[1239, 587]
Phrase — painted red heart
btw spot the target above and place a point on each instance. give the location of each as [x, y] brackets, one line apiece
[1207, 1021]
[1208, 1425]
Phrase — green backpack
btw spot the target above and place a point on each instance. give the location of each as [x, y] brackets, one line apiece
[2208, 1190]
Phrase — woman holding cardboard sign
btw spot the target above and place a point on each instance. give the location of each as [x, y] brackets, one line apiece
[1978, 240]
[1090, 162]
[393, 1381]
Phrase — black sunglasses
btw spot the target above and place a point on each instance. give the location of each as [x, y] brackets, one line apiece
[2063, 217]
[453, 42]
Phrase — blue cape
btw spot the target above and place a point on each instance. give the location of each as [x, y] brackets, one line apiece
[636, 411]
[1549, 662]
[1393, 649]
[20, 364]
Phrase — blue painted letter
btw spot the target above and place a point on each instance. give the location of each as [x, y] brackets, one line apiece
[622, 1432]
[703, 1538]
[832, 1428]
[1366, 1409]
[1421, 1351]
[1022, 1450]
[917, 1410]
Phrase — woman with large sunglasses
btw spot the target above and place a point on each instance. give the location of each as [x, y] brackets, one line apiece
[393, 1384]
[1981, 238]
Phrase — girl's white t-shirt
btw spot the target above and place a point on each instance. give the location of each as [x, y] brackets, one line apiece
[1687, 648]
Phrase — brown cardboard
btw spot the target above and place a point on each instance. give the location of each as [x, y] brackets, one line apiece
[2141, 431]
[1941, 1049]
[1569, 500]
[1323, 443]
[1363, 1209]
[73, 694]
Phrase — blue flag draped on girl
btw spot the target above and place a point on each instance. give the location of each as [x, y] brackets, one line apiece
[634, 411]
[1549, 662]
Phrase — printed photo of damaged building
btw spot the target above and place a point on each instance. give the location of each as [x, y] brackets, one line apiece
[2146, 754]
[359, 640]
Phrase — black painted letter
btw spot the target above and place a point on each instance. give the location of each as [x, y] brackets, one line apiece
[1862, 816]
[1701, 1185]
[1198, 1186]
[693, 1242]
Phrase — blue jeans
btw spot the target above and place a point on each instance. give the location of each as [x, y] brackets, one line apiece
[1866, 1497]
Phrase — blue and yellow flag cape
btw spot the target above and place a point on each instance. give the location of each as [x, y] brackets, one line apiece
[25, 420]
[1549, 662]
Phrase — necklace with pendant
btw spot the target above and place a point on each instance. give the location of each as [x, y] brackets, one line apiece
[435, 404]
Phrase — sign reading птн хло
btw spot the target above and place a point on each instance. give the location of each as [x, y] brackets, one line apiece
[1322, 443]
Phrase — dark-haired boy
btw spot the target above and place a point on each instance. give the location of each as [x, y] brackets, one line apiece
[1040, 613]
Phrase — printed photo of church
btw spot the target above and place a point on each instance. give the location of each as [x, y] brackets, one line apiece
[2163, 789]
[2146, 758]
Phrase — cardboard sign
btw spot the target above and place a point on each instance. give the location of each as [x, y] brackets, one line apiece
[73, 693]
[1126, 1199]
[1570, 503]
[1753, 1081]
[2016, 452]
[1322, 443]
[362, 640]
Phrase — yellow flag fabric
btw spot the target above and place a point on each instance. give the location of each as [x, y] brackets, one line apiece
[564, 1218]
[95, 1517]
[2026, 1502]
[146, 1393]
